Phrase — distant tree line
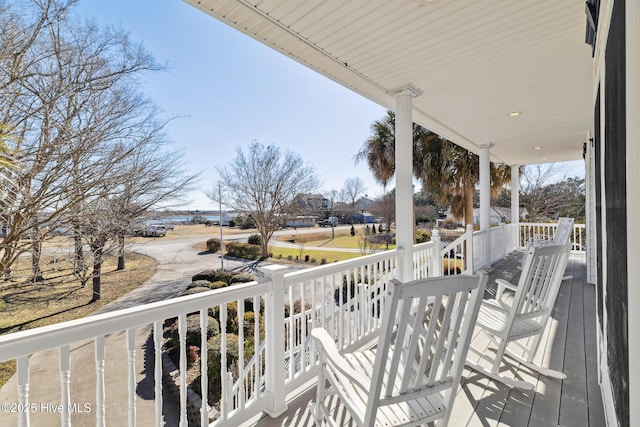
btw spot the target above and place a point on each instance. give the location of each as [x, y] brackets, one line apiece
[90, 151]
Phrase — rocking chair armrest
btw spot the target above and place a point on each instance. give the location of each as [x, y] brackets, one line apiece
[502, 284]
[328, 346]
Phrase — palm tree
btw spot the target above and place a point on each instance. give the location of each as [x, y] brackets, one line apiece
[447, 170]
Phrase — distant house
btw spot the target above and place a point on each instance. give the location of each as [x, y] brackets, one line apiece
[499, 215]
[227, 217]
[363, 217]
[363, 203]
[311, 202]
[301, 221]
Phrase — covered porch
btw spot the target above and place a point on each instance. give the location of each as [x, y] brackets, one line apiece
[569, 345]
[104, 361]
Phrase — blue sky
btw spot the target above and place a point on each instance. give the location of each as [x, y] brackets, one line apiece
[228, 90]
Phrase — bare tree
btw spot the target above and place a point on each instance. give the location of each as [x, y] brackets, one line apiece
[545, 200]
[90, 146]
[533, 196]
[262, 183]
[353, 188]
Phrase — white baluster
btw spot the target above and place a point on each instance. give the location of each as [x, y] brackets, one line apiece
[131, 354]
[65, 374]
[157, 348]
[100, 408]
[182, 333]
[224, 407]
[23, 390]
[241, 380]
[204, 378]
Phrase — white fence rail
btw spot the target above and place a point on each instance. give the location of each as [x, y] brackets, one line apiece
[259, 358]
[529, 231]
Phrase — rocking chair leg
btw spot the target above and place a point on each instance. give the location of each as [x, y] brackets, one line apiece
[508, 381]
[547, 372]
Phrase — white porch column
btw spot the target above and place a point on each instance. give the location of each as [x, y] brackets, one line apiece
[485, 200]
[515, 194]
[404, 178]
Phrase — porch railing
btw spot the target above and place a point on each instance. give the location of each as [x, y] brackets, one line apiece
[273, 354]
[270, 358]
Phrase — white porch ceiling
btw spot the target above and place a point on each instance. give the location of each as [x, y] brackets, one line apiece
[475, 61]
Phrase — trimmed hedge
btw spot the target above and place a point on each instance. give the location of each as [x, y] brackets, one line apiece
[243, 250]
[213, 245]
[255, 239]
[228, 277]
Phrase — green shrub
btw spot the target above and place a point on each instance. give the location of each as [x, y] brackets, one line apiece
[214, 362]
[422, 235]
[199, 284]
[255, 239]
[228, 277]
[243, 250]
[241, 278]
[218, 284]
[193, 332]
[195, 290]
[193, 329]
[213, 245]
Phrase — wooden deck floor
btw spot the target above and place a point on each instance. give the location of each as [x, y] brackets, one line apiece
[569, 344]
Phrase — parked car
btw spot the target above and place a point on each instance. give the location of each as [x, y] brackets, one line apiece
[155, 230]
[332, 221]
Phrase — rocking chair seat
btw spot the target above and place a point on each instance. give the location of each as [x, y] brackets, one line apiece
[493, 318]
[419, 410]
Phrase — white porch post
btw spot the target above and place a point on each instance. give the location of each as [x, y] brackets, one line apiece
[485, 200]
[404, 179]
[632, 54]
[274, 341]
[515, 194]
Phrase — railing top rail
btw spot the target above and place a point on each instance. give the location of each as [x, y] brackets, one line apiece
[425, 245]
[338, 267]
[52, 336]
[548, 224]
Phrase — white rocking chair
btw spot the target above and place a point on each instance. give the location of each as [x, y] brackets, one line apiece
[526, 316]
[412, 376]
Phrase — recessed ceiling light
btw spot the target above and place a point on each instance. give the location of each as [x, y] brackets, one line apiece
[537, 148]
[515, 113]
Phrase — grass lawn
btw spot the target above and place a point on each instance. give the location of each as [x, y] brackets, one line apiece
[61, 297]
[281, 254]
[342, 239]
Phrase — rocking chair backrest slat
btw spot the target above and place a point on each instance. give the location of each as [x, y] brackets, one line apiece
[539, 283]
[565, 227]
[422, 350]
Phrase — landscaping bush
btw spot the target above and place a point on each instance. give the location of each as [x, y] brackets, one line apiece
[422, 235]
[218, 284]
[228, 277]
[214, 363]
[213, 245]
[255, 239]
[241, 278]
[195, 290]
[193, 329]
[193, 337]
[199, 284]
[243, 250]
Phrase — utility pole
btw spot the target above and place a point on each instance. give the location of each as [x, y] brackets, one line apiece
[220, 222]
